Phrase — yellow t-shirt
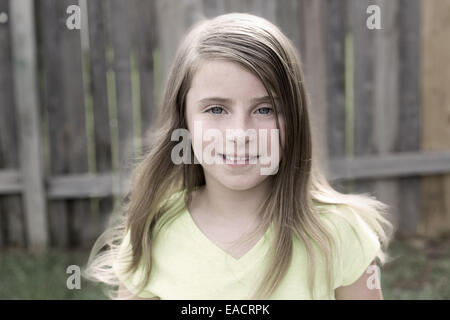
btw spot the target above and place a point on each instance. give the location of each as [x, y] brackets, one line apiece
[188, 265]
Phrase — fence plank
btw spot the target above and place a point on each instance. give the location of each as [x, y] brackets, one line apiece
[243, 6]
[314, 61]
[119, 26]
[12, 230]
[10, 181]
[335, 81]
[147, 41]
[265, 9]
[79, 186]
[70, 221]
[376, 93]
[97, 55]
[363, 85]
[25, 81]
[435, 53]
[408, 138]
[174, 17]
[288, 20]
[80, 216]
[404, 164]
[57, 128]
[213, 8]
[387, 99]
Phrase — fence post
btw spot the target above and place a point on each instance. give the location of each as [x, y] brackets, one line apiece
[335, 24]
[313, 48]
[120, 30]
[12, 228]
[409, 110]
[376, 93]
[435, 76]
[146, 42]
[98, 71]
[26, 98]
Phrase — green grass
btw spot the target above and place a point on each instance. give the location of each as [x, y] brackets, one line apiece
[419, 271]
[25, 276]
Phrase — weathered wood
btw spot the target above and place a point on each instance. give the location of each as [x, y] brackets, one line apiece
[12, 223]
[397, 165]
[27, 104]
[408, 138]
[84, 186]
[363, 82]
[335, 54]
[102, 131]
[243, 6]
[390, 166]
[386, 89]
[97, 56]
[376, 93]
[335, 81]
[10, 181]
[265, 9]
[119, 26]
[80, 217]
[66, 116]
[213, 8]
[288, 19]
[174, 18]
[56, 119]
[314, 62]
[147, 41]
[386, 83]
[3, 228]
[435, 110]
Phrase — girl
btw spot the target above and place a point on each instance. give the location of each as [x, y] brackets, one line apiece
[222, 229]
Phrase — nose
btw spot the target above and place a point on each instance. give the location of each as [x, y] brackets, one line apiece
[237, 133]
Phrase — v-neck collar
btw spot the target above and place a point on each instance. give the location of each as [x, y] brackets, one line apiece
[251, 255]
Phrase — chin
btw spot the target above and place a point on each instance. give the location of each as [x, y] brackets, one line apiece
[239, 183]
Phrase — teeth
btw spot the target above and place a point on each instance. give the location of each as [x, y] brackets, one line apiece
[239, 158]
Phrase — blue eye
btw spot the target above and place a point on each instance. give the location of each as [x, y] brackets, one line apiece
[266, 110]
[219, 110]
[215, 110]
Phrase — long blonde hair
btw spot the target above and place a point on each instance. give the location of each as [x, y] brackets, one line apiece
[299, 187]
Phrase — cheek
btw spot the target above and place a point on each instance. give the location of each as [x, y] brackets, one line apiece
[198, 128]
[274, 135]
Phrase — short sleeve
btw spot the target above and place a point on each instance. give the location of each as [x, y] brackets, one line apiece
[130, 281]
[358, 246]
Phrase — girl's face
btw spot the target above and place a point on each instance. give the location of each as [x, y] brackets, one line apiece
[223, 95]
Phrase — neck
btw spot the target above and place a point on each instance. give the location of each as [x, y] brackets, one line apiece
[234, 206]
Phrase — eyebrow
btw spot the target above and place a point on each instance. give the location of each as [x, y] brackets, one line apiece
[229, 101]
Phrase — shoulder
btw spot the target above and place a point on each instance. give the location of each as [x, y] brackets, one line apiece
[344, 220]
[352, 234]
[358, 245]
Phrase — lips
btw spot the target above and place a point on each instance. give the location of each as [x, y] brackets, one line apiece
[235, 158]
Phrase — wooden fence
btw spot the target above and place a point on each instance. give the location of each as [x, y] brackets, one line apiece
[76, 104]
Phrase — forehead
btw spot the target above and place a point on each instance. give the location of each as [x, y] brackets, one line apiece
[227, 79]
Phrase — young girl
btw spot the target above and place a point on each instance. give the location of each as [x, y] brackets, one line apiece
[222, 229]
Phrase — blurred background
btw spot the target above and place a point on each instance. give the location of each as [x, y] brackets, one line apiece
[80, 83]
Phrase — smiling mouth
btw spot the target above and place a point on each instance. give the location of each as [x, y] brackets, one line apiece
[233, 158]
